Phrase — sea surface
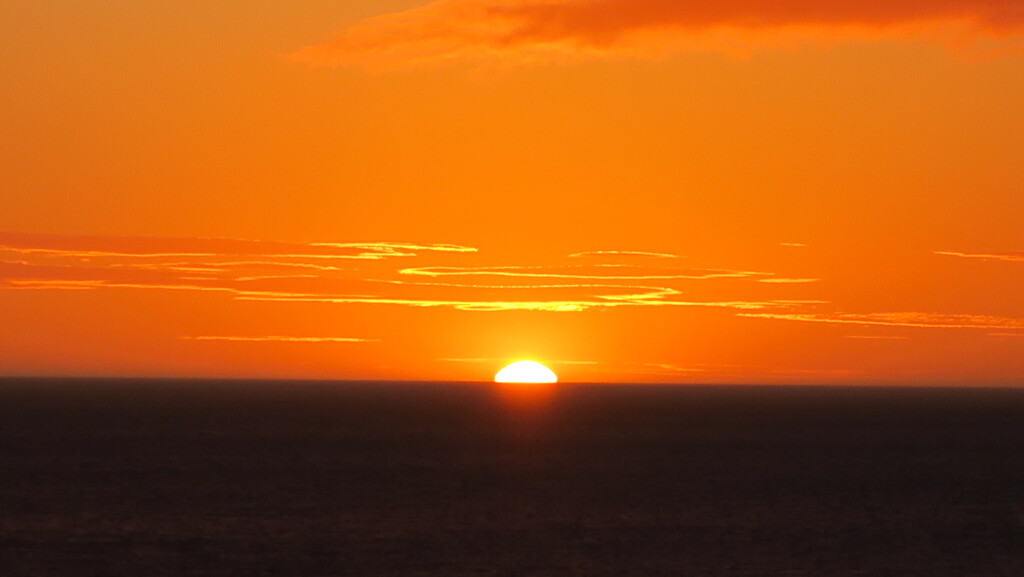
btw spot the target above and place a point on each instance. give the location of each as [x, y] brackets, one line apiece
[162, 478]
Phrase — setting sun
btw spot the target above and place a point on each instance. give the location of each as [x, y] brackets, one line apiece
[525, 372]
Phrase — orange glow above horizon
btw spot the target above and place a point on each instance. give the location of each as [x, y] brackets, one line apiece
[636, 191]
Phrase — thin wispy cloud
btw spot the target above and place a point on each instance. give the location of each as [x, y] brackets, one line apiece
[439, 276]
[54, 284]
[527, 31]
[788, 280]
[297, 273]
[623, 272]
[93, 247]
[277, 277]
[491, 360]
[396, 248]
[901, 319]
[1004, 257]
[486, 305]
[670, 368]
[621, 253]
[281, 339]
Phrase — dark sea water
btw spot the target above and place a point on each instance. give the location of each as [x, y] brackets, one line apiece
[161, 478]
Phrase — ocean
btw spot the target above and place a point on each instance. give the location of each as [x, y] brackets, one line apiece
[160, 478]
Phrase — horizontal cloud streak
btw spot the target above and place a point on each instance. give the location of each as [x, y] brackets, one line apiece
[1004, 257]
[622, 253]
[282, 339]
[91, 247]
[789, 280]
[297, 273]
[537, 30]
[902, 319]
[573, 273]
[594, 302]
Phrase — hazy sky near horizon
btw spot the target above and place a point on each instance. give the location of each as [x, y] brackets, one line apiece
[645, 190]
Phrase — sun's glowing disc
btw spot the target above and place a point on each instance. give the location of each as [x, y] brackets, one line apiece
[525, 372]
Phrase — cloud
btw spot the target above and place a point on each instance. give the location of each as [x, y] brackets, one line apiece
[901, 319]
[1004, 257]
[587, 302]
[545, 30]
[596, 272]
[282, 339]
[670, 368]
[621, 253]
[99, 247]
[789, 280]
[320, 273]
[490, 360]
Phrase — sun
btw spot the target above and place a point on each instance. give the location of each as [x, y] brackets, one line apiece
[525, 372]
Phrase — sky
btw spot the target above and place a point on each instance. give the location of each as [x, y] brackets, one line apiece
[792, 192]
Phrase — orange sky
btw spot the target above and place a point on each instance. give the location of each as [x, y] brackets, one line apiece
[638, 191]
